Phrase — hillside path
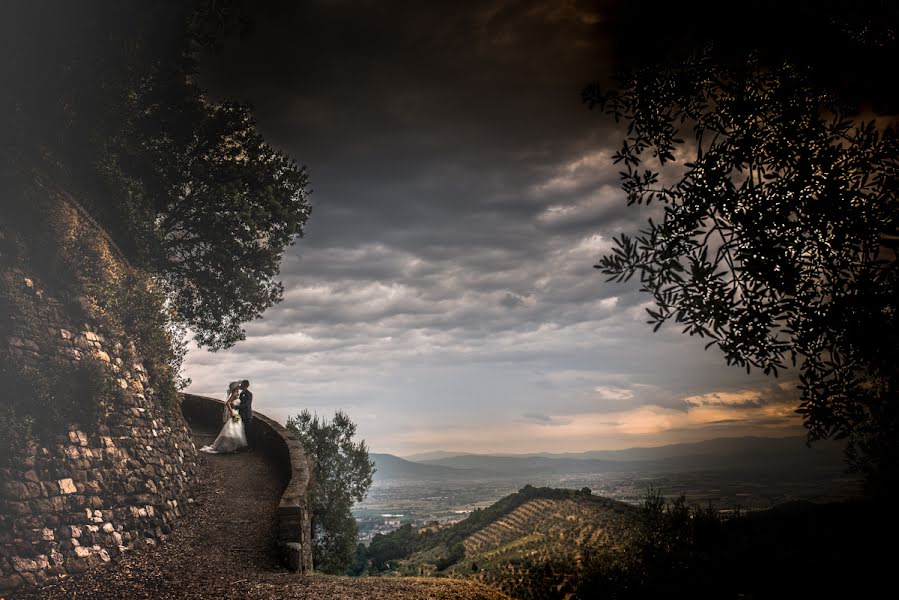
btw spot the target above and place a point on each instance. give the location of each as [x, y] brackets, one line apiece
[225, 549]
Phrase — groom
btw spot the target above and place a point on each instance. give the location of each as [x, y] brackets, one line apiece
[246, 411]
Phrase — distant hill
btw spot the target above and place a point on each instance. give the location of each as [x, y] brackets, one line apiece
[437, 454]
[390, 467]
[529, 466]
[793, 446]
[745, 453]
[509, 544]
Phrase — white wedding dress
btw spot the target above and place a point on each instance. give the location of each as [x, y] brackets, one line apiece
[232, 436]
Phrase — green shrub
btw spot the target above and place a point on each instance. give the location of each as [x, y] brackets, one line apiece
[137, 306]
[42, 402]
[90, 389]
[455, 554]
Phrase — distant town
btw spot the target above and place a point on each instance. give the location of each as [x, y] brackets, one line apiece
[370, 523]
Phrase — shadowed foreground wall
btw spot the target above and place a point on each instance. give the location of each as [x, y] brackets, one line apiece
[81, 496]
[282, 446]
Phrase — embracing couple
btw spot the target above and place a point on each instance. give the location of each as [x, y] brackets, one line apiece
[238, 417]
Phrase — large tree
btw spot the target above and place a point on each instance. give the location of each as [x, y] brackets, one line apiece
[341, 476]
[776, 237]
[105, 96]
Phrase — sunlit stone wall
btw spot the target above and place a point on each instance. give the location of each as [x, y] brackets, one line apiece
[83, 498]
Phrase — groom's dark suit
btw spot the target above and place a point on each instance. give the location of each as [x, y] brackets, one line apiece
[246, 413]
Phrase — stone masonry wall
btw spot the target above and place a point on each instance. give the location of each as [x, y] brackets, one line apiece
[85, 498]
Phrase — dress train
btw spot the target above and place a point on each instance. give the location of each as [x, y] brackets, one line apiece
[231, 438]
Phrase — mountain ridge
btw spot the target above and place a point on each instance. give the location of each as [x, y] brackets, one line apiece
[676, 449]
[751, 453]
[390, 467]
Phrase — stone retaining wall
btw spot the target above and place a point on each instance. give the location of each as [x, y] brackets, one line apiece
[81, 496]
[282, 446]
[86, 497]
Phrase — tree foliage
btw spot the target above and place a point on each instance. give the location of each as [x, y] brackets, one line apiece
[106, 95]
[778, 229]
[226, 205]
[677, 550]
[342, 475]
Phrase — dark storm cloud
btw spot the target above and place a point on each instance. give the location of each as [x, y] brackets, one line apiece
[410, 114]
[511, 300]
[462, 195]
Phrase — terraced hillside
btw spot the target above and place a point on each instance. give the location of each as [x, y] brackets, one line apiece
[530, 544]
[552, 522]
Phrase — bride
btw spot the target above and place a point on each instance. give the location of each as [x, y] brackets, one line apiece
[232, 436]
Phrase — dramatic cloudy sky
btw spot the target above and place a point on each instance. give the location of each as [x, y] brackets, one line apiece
[444, 294]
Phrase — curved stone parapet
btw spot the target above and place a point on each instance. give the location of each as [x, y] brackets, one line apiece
[283, 446]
